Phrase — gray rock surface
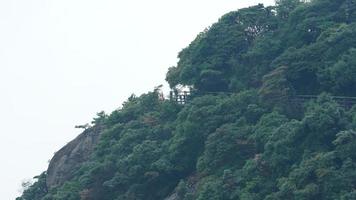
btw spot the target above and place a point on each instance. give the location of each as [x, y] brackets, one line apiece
[71, 157]
[191, 187]
[173, 196]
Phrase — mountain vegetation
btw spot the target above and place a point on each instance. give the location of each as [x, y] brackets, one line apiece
[242, 135]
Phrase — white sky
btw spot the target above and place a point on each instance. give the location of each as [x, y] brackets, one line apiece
[62, 61]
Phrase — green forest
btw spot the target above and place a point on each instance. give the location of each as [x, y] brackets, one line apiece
[242, 135]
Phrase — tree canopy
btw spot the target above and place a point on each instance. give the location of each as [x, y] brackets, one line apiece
[241, 135]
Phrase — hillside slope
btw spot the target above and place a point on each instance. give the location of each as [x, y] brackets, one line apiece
[242, 134]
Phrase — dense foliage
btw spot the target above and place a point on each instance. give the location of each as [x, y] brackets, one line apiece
[242, 135]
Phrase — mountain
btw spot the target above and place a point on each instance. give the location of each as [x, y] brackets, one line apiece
[269, 115]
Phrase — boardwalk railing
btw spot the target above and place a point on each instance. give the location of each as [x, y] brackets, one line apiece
[180, 98]
[347, 102]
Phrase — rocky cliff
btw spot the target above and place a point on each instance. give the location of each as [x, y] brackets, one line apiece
[69, 158]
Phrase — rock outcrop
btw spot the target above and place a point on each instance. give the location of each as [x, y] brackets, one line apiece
[69, 158]
[190, 188]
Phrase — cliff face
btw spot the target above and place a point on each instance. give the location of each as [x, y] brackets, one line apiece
[68, 159]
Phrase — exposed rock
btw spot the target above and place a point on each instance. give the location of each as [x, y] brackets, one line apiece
[173, 196]
[190, 190]
[71, 157]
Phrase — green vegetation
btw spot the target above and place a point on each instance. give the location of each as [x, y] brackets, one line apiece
[241, 136]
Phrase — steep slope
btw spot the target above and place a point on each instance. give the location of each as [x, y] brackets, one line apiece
[244, 133]
[68, 159]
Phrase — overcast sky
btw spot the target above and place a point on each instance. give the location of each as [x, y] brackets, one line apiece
[62, 61]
